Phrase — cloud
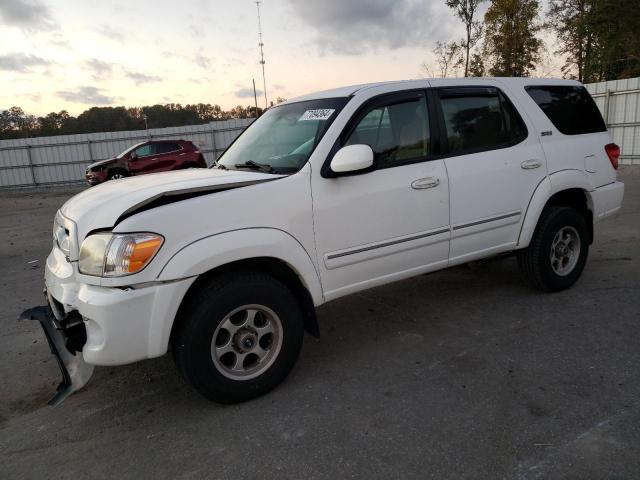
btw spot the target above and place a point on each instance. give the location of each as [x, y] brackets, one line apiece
[111, 32]
[357, 26]
[34, 97]
[87, 95]
[246, 92]
[29, 15]
[196, 31]
[99, 67]
[201, 60]
[141, 78]
[21, 62]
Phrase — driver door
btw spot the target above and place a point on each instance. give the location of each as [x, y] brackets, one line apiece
[144, 159]
[390, 223]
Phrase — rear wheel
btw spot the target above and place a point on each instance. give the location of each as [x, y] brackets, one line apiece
[558, 250]
[238, 337]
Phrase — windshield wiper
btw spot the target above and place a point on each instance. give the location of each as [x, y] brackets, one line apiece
[263, 167]
[220, 166]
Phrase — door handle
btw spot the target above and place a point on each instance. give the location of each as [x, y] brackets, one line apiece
[531, 164]
[422, 183]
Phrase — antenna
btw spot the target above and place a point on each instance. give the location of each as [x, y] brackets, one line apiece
[262, 62]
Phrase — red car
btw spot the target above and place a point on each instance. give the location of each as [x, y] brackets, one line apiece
[148, 157]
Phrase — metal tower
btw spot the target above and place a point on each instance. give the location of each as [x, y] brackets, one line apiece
[262, 62]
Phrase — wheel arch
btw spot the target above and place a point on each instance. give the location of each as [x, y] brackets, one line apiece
[566, 188]
[267, 250]
[117, 168]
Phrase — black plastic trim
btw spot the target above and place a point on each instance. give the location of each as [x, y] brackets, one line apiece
[387, 244]
[492, 219]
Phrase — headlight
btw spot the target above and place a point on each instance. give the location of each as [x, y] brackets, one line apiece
[117, 254]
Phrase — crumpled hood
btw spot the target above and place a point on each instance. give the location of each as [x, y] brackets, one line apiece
[102, 162]
[101, 206]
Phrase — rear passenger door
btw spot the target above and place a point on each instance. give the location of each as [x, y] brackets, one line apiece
[166, 157]
[493, 165]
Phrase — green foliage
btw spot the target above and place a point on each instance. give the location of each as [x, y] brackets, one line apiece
[511, 46]
[476, 66]
[599, 37]
[15, 123]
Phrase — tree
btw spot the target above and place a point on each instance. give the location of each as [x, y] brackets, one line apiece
[448, 56]
[15, 123]
[55, 123]
[615, 25]
[572, 22]
[510, 41]
[466, 11]
[476, 66]
[599, 37]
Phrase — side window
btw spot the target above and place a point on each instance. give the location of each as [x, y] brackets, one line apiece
[396, 132]
[145, 150]
[166, 147]
[571, 109]
[479, 119]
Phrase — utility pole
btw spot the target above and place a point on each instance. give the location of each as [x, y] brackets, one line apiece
[255, 96]
[262, 62]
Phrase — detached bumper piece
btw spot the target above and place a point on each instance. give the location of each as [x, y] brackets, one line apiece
[65, 338]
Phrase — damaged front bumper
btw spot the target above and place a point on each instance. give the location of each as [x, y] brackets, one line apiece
[65, 337]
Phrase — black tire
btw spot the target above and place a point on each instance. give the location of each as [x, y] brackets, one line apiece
[206, 310]
[535, 261]
[116, 174]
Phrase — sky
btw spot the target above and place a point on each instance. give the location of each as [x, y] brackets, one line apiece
[73, 54]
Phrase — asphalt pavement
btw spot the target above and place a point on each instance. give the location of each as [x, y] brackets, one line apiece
[460, 374]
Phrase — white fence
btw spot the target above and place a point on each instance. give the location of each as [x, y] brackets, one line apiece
[64, 158]
[619, 102]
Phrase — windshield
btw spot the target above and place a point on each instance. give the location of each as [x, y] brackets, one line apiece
[282, 140]
[128, 150]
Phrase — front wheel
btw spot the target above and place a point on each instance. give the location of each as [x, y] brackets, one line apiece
[238, 336]
[558, 250]
[116, 174]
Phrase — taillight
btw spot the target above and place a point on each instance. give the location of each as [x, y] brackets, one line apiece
[613, 152]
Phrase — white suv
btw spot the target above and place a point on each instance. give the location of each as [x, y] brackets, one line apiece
[323, 196]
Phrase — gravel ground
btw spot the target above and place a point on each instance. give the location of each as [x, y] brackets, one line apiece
[461, 374]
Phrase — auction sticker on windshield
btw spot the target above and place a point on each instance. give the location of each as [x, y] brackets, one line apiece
[319, 114]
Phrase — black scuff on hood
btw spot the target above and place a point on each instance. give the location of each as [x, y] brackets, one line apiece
[174, 196]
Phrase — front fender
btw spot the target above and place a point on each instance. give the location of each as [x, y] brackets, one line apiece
[217, 250]
[549, 186]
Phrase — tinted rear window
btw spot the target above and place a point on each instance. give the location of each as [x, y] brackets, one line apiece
[571, 109]
[166, 147]
[479, 119]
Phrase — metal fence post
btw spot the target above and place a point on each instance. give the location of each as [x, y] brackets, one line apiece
[90, 151]
[213, 144]
[30, 160]
[607, 103]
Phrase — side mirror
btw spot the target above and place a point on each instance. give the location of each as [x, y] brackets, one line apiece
[352, 158]
[133, 156]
